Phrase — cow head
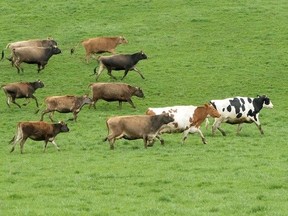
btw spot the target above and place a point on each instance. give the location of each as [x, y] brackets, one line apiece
[266, 101]
[55, 50]
[142, 55]
[167, 118]
[212, 111]
[39, 84]
[64, 127]
[122, 40]
[86, 100]
[139, 93]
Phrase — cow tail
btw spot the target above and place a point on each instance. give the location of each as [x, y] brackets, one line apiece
[18, 136]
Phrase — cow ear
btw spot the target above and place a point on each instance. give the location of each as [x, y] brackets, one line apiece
[206, 105]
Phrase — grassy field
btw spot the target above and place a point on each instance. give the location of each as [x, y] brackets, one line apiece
[197, 51]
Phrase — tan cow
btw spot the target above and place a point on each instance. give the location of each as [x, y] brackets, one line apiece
[120, 92]
[135, 127]
[100, 45]
[65, 104]
[49, 42]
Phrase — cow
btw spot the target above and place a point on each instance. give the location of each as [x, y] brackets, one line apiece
[21, 90]
[33, 55]
[64, 104]
[38, 131]
[126, 62]
[187, 119]
[135, 127]
[239, 110]
[30, 43]
[120, 92]
[100, 45]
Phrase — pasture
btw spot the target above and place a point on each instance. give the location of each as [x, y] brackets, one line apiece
[197, 51]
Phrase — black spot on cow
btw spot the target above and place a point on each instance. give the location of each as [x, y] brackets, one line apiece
[242, 101]
[229, 108]
[223, 109]
[249, 100]
[236, 103]
[239, 115]
[243, 108]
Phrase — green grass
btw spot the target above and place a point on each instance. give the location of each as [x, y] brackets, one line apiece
[197, 51]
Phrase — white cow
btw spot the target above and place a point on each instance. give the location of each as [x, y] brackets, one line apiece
[239, 110]
[187, 119]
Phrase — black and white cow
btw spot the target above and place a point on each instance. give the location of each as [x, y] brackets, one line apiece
[240, 110]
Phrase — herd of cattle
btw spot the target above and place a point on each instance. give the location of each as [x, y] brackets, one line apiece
[149, 126]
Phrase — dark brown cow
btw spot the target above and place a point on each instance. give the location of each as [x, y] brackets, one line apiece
[21, 90]
[30, 43]
[100, 45]
[188, 119]
[37, 131]
[135, 127]
[33, 55]
[65, 104]
[126, 62]
[115, 92]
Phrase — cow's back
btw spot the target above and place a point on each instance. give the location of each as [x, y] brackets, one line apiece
[100, 44]
[108, 91]
[230, 108]
[35, 129]
[18, 89]
[182, 116]
[60, 102]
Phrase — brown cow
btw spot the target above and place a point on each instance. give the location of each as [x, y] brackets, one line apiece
[65, 104]
[188, 119]
[135, 127]
[33, 55]
[100, 45]
[115, 92]
[21, 90]
[33, 42]
[37, 131]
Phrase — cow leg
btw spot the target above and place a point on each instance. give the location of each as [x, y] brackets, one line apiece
[43, 113]
[260, 128]
[125, 73]
[41, 66]
[120, 104]
[74, 117]
[13, 101]
[138, 71]
[216, 125]
[131, 102]
[22, 144]
[17, 65]
[51, 114]
[239, 128]
[54, 143]
[8, 101]
[87, 57]
[110, 73]
[100, 70]
[33, 97]
[193, 130]
[145, 139]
